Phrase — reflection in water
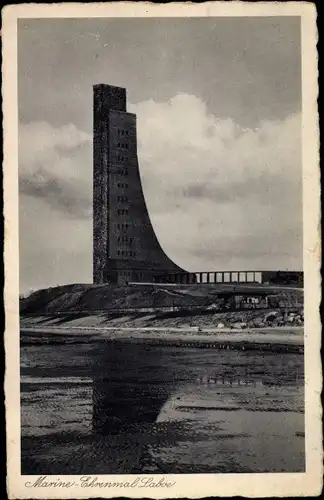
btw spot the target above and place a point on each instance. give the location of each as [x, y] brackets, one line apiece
[287, 376]
[160, 409]
[131, 382]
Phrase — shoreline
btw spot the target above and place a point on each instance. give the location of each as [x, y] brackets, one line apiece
[275, 337]
[164, 328]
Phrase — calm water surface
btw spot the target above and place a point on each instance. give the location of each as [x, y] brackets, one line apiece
[114, 407]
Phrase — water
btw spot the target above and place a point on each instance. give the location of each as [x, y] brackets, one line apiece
[115, 407]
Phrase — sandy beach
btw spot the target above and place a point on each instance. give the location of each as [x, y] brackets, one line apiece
[284, 338]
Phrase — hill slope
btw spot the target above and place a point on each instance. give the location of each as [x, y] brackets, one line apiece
[87, 297]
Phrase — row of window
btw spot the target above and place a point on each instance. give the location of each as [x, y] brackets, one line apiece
[122, 132]
[122, 185]
[122, 226]
[122, 145]
[126, 274]
[122, 198]
[124, 239]
[123, 172]
[122, 211]
[126, 253]
[121, 158]
[135, 276]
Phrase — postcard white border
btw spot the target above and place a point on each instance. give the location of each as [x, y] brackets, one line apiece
[197, 485]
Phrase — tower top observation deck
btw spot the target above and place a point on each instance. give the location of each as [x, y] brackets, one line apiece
[110, 97]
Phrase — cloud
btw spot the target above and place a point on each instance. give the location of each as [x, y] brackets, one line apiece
[55, 164]
[220, 196]
[184, 147]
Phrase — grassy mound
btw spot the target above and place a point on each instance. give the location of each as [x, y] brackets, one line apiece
[91, 298]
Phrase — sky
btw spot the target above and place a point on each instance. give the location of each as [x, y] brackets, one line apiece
[218, 105]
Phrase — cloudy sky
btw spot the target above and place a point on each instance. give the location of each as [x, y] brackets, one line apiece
[218, 104]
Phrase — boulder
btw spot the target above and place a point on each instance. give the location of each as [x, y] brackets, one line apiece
[239, 326]
[270, 316]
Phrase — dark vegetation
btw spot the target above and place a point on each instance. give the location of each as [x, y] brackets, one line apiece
[85, 298]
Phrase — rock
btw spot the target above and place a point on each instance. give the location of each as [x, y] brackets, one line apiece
[257, 323]
[239, 326]
[271, 316]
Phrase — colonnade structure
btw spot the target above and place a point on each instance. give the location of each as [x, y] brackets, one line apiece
[234, 277]
[221, 277]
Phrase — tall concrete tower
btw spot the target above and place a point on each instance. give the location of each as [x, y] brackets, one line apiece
[125, 247]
